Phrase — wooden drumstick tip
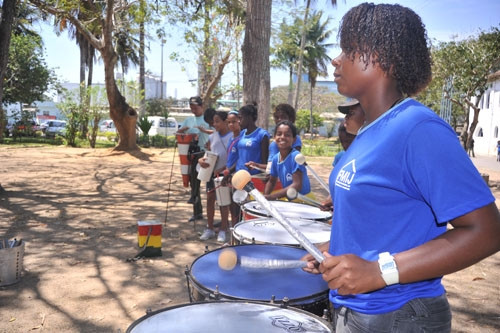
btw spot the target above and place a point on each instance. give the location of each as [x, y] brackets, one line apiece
[300, 159]
[240, 179]
[228, 259]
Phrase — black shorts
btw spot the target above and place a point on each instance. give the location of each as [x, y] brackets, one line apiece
[211, 184]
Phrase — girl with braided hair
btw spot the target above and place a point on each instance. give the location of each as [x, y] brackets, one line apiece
[393, 195]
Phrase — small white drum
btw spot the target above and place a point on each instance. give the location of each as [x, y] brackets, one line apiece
[229, 317]
[222, 193]
[293, 210]
[270, 231]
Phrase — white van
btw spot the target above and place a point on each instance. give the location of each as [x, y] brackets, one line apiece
[162, 126]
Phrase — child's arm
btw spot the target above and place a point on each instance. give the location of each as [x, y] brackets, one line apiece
[270, 187]
[296, 183]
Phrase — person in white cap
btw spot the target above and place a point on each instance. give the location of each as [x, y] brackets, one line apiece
[354, 115]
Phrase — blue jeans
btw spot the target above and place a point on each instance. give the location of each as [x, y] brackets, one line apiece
[418, 315]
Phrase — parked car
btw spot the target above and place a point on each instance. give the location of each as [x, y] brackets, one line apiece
[107, 126]
[162, 126]
[23, 128]
[52, 128]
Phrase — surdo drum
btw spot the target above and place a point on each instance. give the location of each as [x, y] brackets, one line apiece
[207, 281]
[229, 317]
[270, 231]
[291, 210]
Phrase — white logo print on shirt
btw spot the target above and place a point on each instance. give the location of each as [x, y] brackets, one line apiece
[249, 143]
[346, 175]
[289, 177]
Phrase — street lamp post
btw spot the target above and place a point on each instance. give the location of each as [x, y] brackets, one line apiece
[161, 75]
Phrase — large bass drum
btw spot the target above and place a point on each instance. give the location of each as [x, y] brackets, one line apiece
[207, 281]
[229, 317]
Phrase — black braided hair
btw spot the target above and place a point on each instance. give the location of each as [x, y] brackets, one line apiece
[392, 36]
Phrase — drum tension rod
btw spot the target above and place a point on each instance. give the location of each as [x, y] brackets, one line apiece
[285, 301]
[186, 272]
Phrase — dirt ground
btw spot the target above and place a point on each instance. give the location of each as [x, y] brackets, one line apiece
[77, 211]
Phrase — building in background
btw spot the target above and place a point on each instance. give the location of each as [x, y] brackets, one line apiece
[486, 134]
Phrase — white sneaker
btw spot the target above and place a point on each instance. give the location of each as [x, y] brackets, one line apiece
[221, 238]
[208, 233]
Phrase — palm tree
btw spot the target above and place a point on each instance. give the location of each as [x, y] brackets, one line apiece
[316, 53]
[302, 47]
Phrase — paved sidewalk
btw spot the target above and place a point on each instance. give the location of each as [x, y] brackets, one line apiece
[486, 162]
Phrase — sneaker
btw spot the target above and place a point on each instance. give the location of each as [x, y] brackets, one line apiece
[221, 238]
[207, 234]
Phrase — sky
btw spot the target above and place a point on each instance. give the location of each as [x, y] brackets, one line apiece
[444, 20]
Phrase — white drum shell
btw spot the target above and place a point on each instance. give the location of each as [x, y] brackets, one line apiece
[270, 231]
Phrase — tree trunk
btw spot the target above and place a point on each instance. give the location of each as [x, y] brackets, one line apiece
[256, 68]
[124, 116]
[290, 86]
[301, 56]
[142, 70]
[311, 110]
[8, 15]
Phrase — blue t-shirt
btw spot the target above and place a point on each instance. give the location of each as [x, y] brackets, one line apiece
[337, 158]
[273, 147]
[249, 149]
[399, 183]
[232, 151]
[193, 121]
[284, 171]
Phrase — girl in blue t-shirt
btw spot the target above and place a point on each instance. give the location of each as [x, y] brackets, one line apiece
[283, 165]
[390, 243]
[281, 113]
[253, 146]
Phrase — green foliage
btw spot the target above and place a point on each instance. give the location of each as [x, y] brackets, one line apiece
[468, 63]
[73, 113]
[303, 118]
[145, 125]
[157, 107]
[27, 76]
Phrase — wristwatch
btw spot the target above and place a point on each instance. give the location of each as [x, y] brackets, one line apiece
[388, 268]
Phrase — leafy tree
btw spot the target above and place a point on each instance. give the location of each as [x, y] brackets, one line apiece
[316, 56]
[303, 118]
[157, 107]
[108, 17]
[468, 63]
[302, 48]
[212, 28]
[73, 113]
[27, 77]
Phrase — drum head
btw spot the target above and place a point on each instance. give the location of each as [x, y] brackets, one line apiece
[229, 317]
[270, 231]
[243, 283]
[288, 209]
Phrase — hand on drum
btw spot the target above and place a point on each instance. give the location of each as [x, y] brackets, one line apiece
[203, 163]
[350, 274]
[327, 205]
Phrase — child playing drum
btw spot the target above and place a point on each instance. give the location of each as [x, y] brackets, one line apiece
[283, 165]
[217, 143]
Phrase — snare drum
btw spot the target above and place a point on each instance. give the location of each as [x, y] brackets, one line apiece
[207, 281]
[270, 231]
[292, 210]
[229, 317]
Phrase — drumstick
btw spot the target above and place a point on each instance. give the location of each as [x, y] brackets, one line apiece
[242, 180]
[293, 194]
[257, 168]
[228, 259]
[301, 160]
